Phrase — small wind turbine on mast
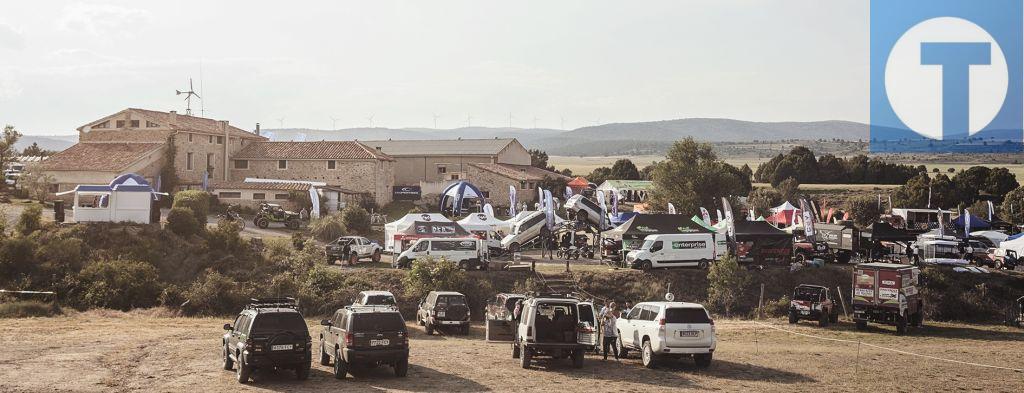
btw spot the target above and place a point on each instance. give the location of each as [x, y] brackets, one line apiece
[188, 97]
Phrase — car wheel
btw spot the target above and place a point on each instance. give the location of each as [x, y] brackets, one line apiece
[228, 363]
[513, 248]
[792, 317]
[623, 351]
[823, 319]
[302, 372]
[577, 358]
[429, 328]
[376, 256]
[325, 359]
[402, 367]
[243, 371]
[648, 355]
[703, 264]
[646, 266]
[525, 355]
[262, 223]
[702, 360]
[340, 367]
[515, 351]
[861, 325]
[353, 258]
[901, 326]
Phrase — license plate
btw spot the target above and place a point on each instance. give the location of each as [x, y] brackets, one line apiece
[381, 342]
[282, 347]
[805, 312]
[440, 314]
[688, 333]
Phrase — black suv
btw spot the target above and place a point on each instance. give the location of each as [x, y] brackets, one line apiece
[268, 333]
[365, 335]
[443, 309]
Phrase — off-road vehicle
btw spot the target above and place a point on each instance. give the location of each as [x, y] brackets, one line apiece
[272, 212]
[269, 333]
[376, 298]
[813, 302]
[441, 309]
[668, 330]
[365, 336]
[499, 323]
[550, 325]
[887, 293]
[350, 249]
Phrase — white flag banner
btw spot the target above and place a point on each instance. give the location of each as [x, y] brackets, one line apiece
[991, 211]
[671, 208]
[719, 212]
[730, 225]
[705, 215]
[549, 209]
[512, 200]
[942, 231]
[967, 223]
[604, 206]
[488, 209]
[568, 192]
[808, 219]
[314, 197]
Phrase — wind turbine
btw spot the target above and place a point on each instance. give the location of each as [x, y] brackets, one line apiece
[535, 122]
[510, 120]
[280, 122]
[188, 97]
[334, 123]
[371, 120]
[435, 120]
[469, 120]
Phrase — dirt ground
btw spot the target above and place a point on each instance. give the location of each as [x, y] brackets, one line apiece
[145, 351]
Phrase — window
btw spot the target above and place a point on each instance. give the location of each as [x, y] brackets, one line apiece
[229, 195]
[105, 124]
[150, 124]
[455, 176]
[54, 188]
[190, 137]
[134, 124]
[635, 312]
[421, 246]
[259, 196]
[656, 246]
[282, 164]
[220, 140]
[280, 196]
[188, 161]
[487, 194]
[241, 164]
[378, 322]
[120, 124]
[686, 315]
[442, 169]
[453, 245]
[331, 164]
[276, 322]
[648, 313]
[209, 163]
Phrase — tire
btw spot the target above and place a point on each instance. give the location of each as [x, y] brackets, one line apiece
[834, 317]
[823, 319]
[524, 359]
[429, 328]
[647, 355]
[325, 359]
[515, 351]
[302, 372]
[702, 360]
[623, 351]
[353, 258]
[861, 325]
[402, 263]
[513, 247]
[646, 266]
[703, 264]
[262, 223]
[340, 367]
[376, 256]
[901, 326]
[577, 358]
[402, 367]
[242, 372]
[292, 224]
[792, 317]
[228, 363]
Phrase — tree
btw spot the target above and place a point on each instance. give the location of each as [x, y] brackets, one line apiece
[1012, 208]
[1000, 182]
[799, 164]
[831, 169]
[914, 194]
[599, 175]
[789, 189]
[727, 282]
[692, 176]
[539, 159]
[35, 151]
[8, 139]
[30, 220]
[35, 183]
[623, 169]
[196, 201]
[762, 200]
[182, 222]
[168, 175]
[863, 209]
[356, 219]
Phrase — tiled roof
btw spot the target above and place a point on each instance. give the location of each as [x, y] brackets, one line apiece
[193, 123]
[99, 156]
[519, 172]
[260, 186]
[319, 150]
[441, 147]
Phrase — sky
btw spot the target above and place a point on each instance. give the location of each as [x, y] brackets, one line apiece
[556, 64]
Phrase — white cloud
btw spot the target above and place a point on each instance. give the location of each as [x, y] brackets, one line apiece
[9, 87]
[101, 19]
[11, 38]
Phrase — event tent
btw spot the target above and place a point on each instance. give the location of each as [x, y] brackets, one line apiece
[976, 222]
[128, 198]
[759, 241]
[481, 222]
[399, 233]
[455, 194]
[633, 232]
[995, 237]
[578, 184]
[1014, 244]
[784, 207]
[784, 217]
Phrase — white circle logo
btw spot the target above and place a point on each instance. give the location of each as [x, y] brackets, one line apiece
[915, 90]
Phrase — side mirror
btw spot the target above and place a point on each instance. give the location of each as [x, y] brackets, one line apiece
[623, 315]
[325, 322]
[227, 326]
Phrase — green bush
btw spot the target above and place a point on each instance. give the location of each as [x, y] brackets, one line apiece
[727, 282]
[182, 222]
[30, 220]
[224, 238]
[356, 219]
[327, 228]
[17, 260]
[214, 294]
[429, 275]
[195, 200]
[28, 308]
[119, 284]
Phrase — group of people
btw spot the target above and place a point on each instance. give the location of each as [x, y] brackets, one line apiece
[608, 317]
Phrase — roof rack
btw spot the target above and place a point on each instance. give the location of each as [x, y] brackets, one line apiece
[388, 307]
[268, 302]
[556, 295]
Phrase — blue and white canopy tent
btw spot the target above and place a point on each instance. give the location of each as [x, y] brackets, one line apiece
[454, 195]
[128, 198]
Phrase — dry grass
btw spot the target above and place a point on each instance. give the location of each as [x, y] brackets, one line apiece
[135, 351]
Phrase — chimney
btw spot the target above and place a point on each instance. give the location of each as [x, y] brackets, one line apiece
[257, 129]
[174, 117]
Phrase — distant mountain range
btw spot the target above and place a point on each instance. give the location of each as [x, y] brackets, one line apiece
[607, 139]
[47, 142]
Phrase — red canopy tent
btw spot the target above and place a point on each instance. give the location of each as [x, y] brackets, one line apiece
[784, 217]
[578, 184]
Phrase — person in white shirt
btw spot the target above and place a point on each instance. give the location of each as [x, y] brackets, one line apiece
[608, 318]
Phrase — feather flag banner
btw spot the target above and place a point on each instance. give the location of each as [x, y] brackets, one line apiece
[705, 215]
[512, 200]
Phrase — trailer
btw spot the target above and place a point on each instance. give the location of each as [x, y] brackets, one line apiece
[842, 240]
[886, 293]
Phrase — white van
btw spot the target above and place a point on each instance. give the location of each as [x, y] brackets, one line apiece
[525, 230]
[468, 252]
[668, 330]
[671, 250]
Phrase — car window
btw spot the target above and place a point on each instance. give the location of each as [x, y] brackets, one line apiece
[656, 246]
[336, 321]
[806, 294]
[238, 322]
[243, 324]
[452, 300]
[590, 204]
[377, 322]
[453, 245]
[635, 312]
[648, 313]
[421, 246]
[686, 315]
[380, 300]
[278, 321]
[586, 312]
[510, 303]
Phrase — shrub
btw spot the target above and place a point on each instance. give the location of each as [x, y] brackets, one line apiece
[726, 284]
[430, 275]
[30, 220]
[214, 294]
[224, 238]
[28, 308]
[356, 219]
[198, 202]
[182, 222]
[327, 228]
[17, 259]
[119, 284]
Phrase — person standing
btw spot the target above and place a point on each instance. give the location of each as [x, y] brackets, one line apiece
[608, 319]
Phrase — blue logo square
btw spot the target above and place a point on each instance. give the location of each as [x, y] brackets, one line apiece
[946, 76]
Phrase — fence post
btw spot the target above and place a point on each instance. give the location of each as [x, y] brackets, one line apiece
[842, 301]
[760, 302]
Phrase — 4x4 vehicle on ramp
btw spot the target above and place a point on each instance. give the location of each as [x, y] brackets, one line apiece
[813, 302]
[351, 249]
[365, 335]
[550, 325]
[268, 333]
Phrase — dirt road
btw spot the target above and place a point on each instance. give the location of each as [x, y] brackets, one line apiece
[143, 351]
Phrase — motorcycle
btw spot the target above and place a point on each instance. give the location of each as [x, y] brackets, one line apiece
[230, 216]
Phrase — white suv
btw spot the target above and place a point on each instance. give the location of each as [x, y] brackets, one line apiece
[663, 330]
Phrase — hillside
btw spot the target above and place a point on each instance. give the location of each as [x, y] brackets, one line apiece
[47, 142]
[608, 139]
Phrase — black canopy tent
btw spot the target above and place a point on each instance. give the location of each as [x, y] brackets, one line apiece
[883, 231]
[632, 232]
[759, 241]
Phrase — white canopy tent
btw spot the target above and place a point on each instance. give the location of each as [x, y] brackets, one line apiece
[1015, 245]
[418, 225]
[785, 207]
[995, 236]
[482, 222]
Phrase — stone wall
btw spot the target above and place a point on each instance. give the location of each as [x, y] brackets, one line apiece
[372, 176]
[497, 187]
